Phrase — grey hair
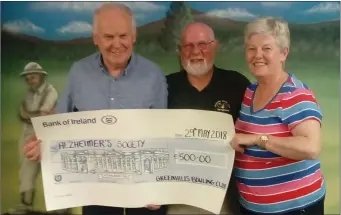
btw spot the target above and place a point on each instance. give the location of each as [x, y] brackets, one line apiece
[113, 6]
[278, 28]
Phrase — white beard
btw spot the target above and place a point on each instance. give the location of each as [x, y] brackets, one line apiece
[197, 69]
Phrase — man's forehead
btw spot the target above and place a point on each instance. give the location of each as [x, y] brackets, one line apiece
[109, 27]
[196, 36]
[112, 15]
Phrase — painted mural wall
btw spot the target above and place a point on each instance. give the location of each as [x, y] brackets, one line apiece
[54, 34]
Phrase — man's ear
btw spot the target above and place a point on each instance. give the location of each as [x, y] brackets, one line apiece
[216, 45]
[134, 37]
[95, 39]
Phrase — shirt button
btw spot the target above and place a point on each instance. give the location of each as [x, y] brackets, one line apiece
[112, 99]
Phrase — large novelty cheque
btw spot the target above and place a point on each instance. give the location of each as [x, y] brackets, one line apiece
[131, 158]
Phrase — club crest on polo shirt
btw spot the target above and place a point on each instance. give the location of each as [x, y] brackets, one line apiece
[222, 106]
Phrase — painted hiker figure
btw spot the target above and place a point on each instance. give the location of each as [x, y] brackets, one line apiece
[40, 99]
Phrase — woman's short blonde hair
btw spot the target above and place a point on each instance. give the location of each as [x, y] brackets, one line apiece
[269, 25]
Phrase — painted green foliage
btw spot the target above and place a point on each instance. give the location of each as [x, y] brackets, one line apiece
[178, 16]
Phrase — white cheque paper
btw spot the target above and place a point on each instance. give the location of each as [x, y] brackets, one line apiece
[131, 158]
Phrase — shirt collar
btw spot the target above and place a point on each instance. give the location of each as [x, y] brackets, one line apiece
[41, 88]
[127, 70]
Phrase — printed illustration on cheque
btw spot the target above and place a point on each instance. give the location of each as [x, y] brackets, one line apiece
[113, 161]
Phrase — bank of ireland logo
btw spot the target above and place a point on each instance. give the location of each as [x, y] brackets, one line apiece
[58, 178]
[109, 120]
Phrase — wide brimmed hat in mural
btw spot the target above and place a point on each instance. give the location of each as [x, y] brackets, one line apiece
[33, 67]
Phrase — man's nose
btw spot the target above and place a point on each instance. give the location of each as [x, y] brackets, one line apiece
[116, 42]
[195, 49]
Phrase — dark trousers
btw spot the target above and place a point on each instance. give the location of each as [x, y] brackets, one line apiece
[102, 210]
[315, 209]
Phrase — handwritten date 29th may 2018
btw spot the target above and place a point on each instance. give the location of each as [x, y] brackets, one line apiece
[205, 133]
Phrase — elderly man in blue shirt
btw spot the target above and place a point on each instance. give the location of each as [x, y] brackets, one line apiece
[113, 78]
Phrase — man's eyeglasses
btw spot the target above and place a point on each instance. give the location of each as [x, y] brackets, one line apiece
[203, 45]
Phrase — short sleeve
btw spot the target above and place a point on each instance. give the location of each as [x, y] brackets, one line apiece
[50, 100]
[65, 102]
[299, 106]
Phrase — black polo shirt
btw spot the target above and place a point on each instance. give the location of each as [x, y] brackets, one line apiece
[224, 93]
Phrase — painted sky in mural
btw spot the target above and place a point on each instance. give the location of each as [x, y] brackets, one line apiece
[67, 20]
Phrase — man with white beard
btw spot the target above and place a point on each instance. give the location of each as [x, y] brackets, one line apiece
[202, 85]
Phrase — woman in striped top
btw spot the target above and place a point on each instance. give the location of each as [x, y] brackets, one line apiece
[278, 132]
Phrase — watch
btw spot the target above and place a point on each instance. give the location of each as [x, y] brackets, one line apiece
[264, 139]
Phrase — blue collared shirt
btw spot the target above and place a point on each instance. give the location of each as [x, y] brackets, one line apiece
[89, 86]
